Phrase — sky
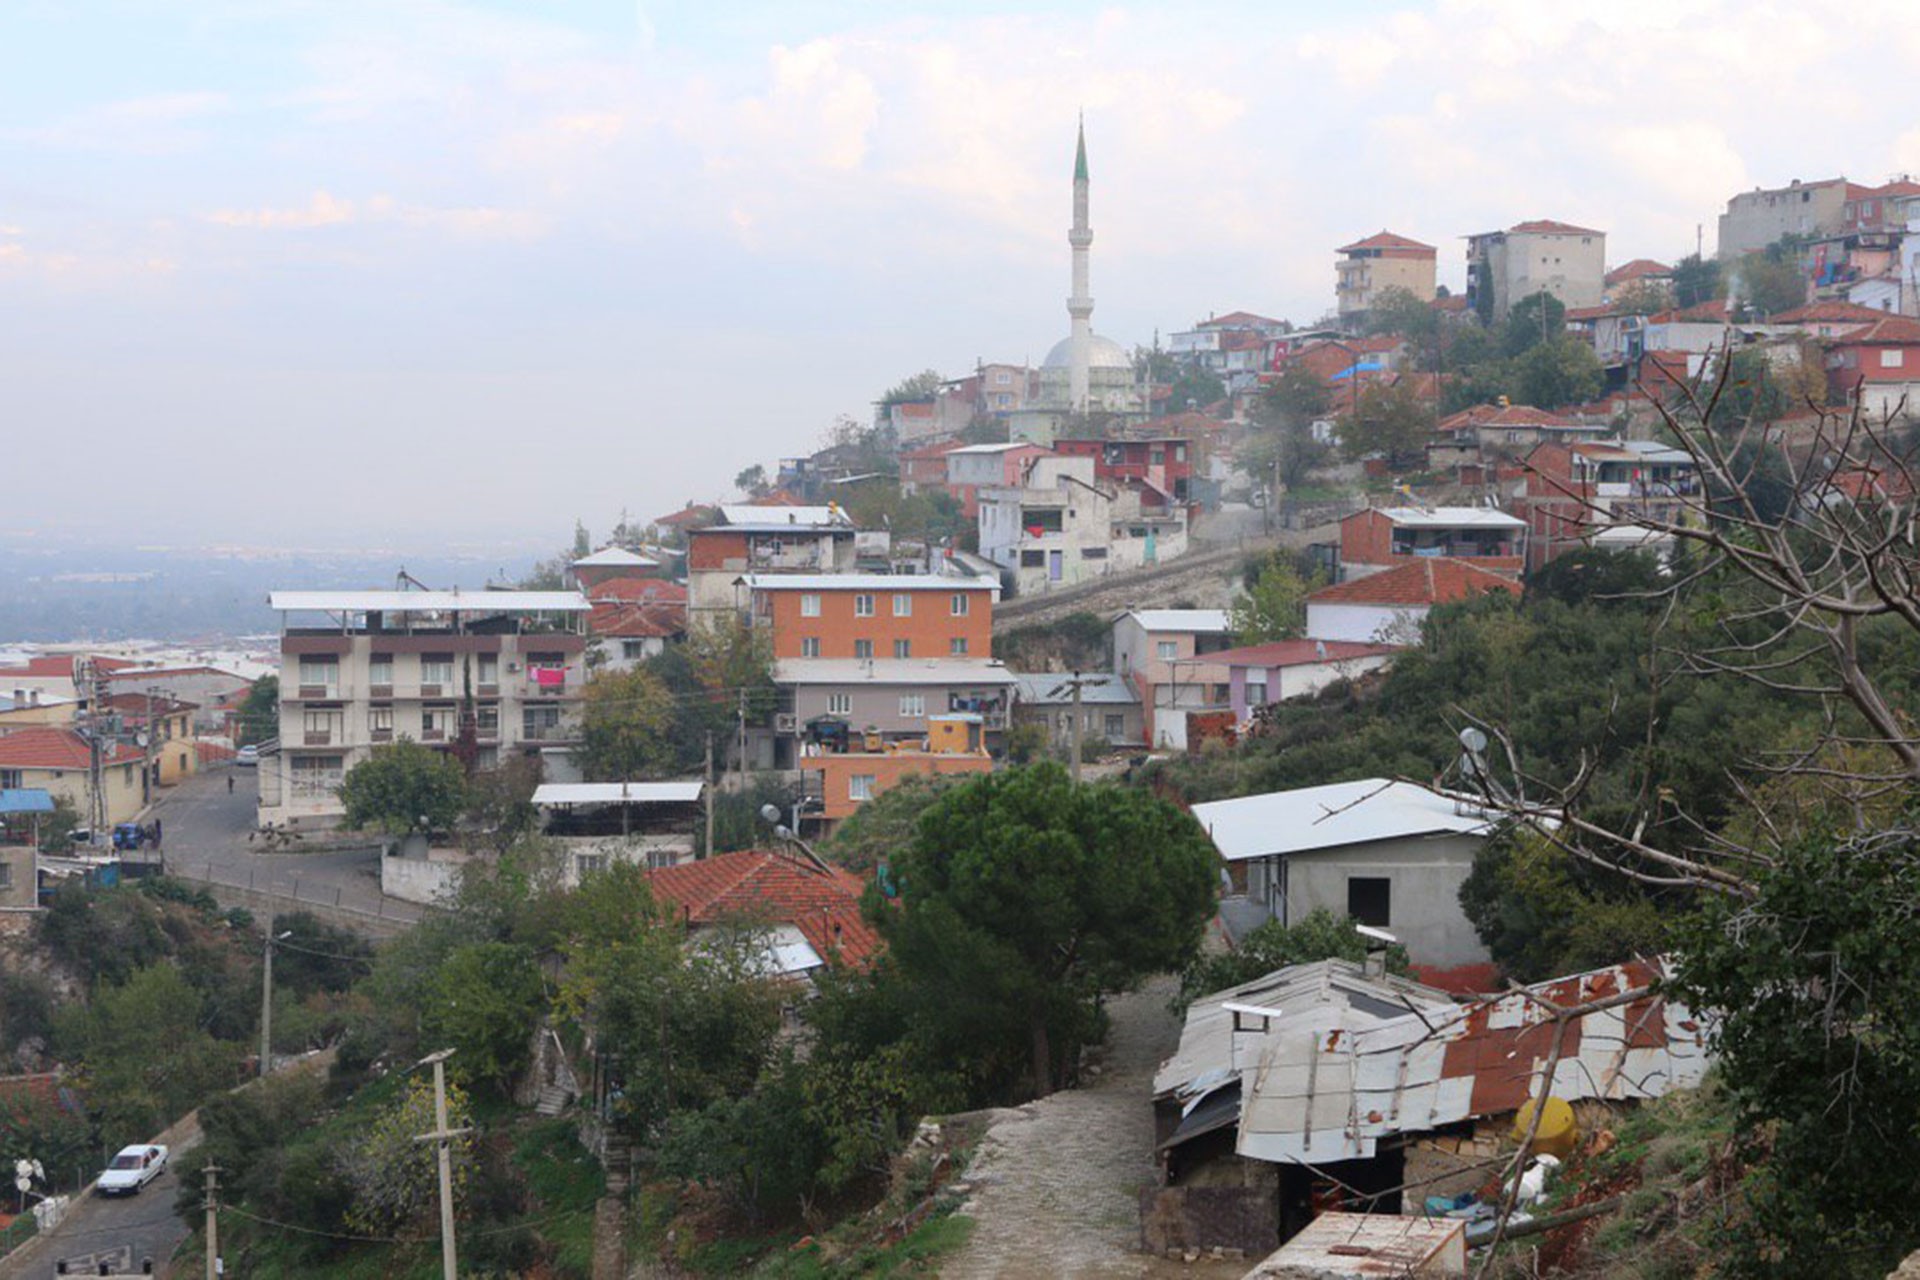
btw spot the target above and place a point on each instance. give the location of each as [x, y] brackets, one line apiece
[346, 272]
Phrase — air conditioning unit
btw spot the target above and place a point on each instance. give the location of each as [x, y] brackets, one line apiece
[513, 666]
[786, 722]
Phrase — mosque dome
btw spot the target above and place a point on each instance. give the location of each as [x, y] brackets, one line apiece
[1102, 353]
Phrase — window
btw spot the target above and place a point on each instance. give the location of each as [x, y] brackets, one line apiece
[489, 667]
[903, 648]
[863, 648]
[436, 668]
[380, 670]
[839, 704]
[319, 671]
[316, 777]
[486, 719]
[1370, 900]
[1166, 650]
[6, 875]
[809, 646]
[960, 605]
[863, 605]
[1001, 377]
[585, 864]
[380, 722]
[1890, 359]
[631, 650]
[1116, 727]
[1093, 553]
[539, 724]
[1032, 559]
[902, 605]
[1256, 693]
[9, 779]
[957, 647]
[320, 727]
[436, 722]
[860, 786]
[810, 606]
[913, 705]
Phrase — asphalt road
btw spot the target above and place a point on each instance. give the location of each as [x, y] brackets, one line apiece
[206, 830]
[121, 1231]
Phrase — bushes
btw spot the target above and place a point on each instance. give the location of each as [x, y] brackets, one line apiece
[1321, 936]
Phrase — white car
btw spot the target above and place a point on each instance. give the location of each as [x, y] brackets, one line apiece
[248, 757]
[131, 1170]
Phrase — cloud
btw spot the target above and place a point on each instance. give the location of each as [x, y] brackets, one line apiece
[326, 210]
[157, 124]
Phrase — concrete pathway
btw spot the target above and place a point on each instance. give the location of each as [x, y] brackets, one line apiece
[1057, 1181]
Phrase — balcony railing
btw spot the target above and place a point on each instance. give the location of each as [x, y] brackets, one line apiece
[548, 733]
[317, 738]
[325, 692]
[381, 735]
[433, 735]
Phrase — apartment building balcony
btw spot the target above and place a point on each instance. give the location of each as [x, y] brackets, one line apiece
[333, 692]
[380, 735]
[316, 738]
[433, 735]
[549, 733]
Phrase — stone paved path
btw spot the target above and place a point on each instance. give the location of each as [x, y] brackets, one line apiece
[1057, 1181]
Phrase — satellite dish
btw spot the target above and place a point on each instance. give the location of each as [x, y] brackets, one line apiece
[1473, 740]
[140, 739]
[771, 812]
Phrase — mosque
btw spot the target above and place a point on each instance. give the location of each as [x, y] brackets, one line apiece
[1086, 376]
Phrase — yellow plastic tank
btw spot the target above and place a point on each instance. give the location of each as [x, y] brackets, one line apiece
[1559, 1132]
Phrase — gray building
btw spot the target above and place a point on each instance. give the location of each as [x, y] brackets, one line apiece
[891, 697]
[1109, 708]
[1755, 219]
[1388, 854]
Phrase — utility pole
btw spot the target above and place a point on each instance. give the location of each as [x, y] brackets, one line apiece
[266, 996]
[742, 770]
[1073, 726]
[707, 794]
[212, 1197]
[441, 1137]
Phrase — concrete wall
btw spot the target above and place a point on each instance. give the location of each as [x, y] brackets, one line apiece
[1366, 623]
[1425, 875]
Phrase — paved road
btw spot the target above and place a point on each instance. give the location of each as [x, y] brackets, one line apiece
[207, 830]
[121, 1231]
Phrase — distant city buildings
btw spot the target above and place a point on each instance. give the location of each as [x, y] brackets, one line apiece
[1541, 256]
[1368, 268]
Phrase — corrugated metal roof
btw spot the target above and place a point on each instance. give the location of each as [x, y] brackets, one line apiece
[1103, 688]
[957, 671]
[1342, 813]
[1200, 621]
[1366, 1245]
[427, 601]
[1205, 1055]
[746, 517]
[1451, 517]
[615, 557]
[1330, 1094]
[552, 793]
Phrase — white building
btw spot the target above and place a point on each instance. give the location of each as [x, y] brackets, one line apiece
[494, 672]
[1061, 527]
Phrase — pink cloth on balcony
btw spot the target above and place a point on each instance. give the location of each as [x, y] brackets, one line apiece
[549, 677]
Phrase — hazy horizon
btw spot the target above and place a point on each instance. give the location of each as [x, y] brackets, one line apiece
[371, 273]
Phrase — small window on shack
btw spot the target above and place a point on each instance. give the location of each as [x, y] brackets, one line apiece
[1370, 900]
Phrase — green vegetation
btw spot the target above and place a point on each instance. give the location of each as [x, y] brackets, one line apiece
[1320, 936]
[260, 713]
[1077, 642]
[1274, 606]
[403, 788]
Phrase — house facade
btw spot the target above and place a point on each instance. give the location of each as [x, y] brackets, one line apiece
[1262, 674]
[1542, 256]
[870, 616]
[494, 672]
[764, 541]
[1109, 708]
[1166, 654]
[838, 779]
[1391, 607]
[1384, 537]
[973, 467]
[1367, 268]
[1390, 855]
[59, 762]
[1879, 365]
[166, 727]
[1755, 219]
[1588, 494]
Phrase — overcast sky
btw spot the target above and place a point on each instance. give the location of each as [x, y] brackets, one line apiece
[346, 271]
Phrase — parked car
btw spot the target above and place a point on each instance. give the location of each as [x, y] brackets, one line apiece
[131, 1170]
[247, 757]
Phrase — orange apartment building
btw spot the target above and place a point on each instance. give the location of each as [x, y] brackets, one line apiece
[837, 783]
[870, 615]
[1380, 538]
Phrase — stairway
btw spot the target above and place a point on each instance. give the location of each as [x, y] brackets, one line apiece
[552, 1100]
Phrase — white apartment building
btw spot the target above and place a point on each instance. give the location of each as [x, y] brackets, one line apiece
[1061, 527]
[1541, 256]
[363, 668]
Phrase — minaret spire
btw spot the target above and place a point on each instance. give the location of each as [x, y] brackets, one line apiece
[1080, 305]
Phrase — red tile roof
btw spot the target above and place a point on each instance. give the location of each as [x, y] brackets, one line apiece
[1549, 227]
[1832, 312]
[1235, 319]
[621, 620]
[1898, 187]
[1298, 653]
[61, 664]
[1888, 330]
[1452, 302]
[775, 887]
[51, 748]
[638, 591]
[1639, 269]
[689, 515]
[1386, 240]
[1589, 313]
[1510, 415]
[1713, 309]
[1425, 581]
[138, 704]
